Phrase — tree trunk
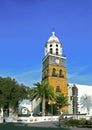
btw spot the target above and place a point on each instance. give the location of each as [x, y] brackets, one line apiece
[43, 106]
[10, 111]
[2, 114]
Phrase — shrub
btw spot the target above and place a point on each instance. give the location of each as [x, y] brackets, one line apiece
[90, 119]
[73, 122]
[31, 120]
[19, 120]
[82, 121]
[49, 118]
[35, 119]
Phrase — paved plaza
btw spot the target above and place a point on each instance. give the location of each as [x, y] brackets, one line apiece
[50, 124]
[35, 126]
[53, 125]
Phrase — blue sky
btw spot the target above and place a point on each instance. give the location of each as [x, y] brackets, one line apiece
[25, 27]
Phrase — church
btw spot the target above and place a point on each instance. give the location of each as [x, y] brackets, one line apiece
[54, 71]
[54, 68]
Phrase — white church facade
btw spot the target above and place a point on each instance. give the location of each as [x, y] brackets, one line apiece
[83, 99]
[54, 71]
[79, 96]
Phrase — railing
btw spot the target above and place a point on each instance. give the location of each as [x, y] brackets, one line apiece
[30, 119]
[38, 119]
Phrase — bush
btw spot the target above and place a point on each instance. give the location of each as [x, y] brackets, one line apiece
[35, 119]
[90, 119]
[75, 122]
[82, 121]
[31, 120]
[19, 120]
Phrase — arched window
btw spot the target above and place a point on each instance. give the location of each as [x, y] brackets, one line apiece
[50, 50]
[56, 51]
[58, 89]
[54, 72]
[50, 45]
[60, 72]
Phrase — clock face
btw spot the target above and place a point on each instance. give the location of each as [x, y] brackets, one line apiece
[57, 61]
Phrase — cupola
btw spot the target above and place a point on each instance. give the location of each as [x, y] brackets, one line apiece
[53, 45]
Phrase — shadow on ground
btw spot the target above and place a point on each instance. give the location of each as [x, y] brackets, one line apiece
[31, 126]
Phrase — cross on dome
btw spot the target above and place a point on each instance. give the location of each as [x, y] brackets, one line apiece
[53, 33]
[53, 45]
[53, 38]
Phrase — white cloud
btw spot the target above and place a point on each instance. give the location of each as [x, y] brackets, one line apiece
[28, 73]
[77, 72]
[32, 76]
[78, 77]
[28, 78]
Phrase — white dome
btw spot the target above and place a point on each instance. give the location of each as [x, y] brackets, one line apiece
[53, 38]
[53, 45]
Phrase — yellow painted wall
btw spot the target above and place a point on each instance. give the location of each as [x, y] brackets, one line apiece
[57, 81]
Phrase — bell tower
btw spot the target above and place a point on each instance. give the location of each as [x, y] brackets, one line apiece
[54, 69]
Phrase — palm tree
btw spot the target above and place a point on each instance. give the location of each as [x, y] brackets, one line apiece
[86, 102]
[61, 100]
[44, 91]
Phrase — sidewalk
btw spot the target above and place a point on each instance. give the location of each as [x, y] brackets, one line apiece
[80, 128]
[53, 124]
[50, 124]
[27, 126]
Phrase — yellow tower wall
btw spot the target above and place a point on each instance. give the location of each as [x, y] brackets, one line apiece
[56, 80]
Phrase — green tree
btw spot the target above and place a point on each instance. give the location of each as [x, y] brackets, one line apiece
[61, 100]
[43, 91]
[11, 92]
